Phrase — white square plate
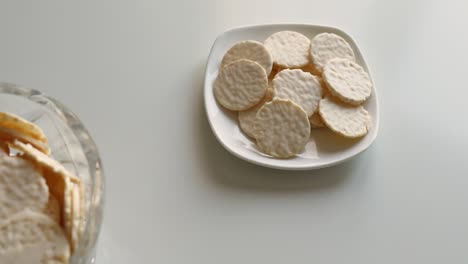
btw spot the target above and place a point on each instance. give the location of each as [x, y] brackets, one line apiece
[324, 149]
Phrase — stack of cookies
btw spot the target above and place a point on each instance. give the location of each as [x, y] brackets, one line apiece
[41, 203]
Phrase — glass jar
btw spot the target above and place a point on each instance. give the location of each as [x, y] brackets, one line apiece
[72, 146]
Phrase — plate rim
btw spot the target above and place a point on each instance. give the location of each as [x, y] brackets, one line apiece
[272, 165]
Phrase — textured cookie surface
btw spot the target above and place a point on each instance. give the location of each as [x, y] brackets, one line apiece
[251, 50]
[347, 80]
[288, 49]
[302, 88]
[240, 85]
[248, 118]
[283, 128]
[31, 237]
[349, 121]
[21, 186]
[52, 209]
[326, 46]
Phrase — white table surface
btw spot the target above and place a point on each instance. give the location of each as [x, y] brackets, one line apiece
[133, 71]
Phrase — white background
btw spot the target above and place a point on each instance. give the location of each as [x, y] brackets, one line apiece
[133, 71]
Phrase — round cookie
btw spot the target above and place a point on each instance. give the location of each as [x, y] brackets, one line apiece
[251, 50]
[283, 128]
[248, 118]
[347, 80]
[240, 85]
[288, 49]
[326, 46]
[346, 120]
[302, 88]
